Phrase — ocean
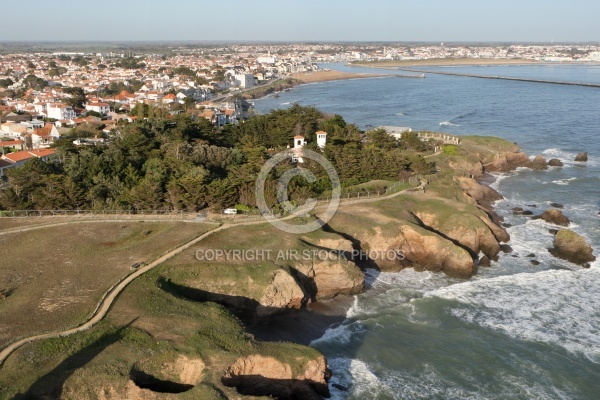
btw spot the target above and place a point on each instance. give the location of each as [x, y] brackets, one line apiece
[515, 330]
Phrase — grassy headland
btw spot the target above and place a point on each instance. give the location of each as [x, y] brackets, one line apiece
[173, 329]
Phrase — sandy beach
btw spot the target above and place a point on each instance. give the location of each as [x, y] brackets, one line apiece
[329, 75]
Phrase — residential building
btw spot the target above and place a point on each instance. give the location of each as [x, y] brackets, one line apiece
[244, 80]
[60, 111]
[101, 108]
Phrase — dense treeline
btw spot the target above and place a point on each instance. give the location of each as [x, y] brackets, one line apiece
[182, 164]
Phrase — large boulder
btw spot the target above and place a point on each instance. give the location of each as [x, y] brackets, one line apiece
[539, 163]
[582, 157]
[554, 216]
[570, 246]
[259, 375]
[555, 162]
[521, 211]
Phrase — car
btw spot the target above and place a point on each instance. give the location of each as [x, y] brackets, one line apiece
[230, 211]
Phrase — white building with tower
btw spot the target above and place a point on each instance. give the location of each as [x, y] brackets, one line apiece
[321, 139]
[299, 143]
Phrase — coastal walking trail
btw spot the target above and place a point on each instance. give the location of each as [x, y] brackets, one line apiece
[112, 294]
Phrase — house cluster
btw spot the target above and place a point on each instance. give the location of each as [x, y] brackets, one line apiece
[17, 159]
[32, 134]
[548, 53]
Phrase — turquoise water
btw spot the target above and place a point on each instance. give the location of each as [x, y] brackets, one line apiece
[515, 331]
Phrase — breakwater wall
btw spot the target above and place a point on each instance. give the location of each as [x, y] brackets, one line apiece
[506, 78]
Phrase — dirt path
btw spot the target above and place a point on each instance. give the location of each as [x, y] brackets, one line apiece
[111, 295]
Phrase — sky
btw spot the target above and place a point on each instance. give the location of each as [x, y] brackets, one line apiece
[302, 20]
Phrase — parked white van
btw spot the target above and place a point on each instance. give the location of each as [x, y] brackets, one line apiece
[230, 211]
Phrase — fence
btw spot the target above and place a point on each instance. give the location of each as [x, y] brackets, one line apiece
[100, 214]
[171, 215]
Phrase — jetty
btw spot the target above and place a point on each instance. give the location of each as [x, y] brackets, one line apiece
[506, 78]
[421, 76]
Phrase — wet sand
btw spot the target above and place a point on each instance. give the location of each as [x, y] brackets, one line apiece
[330, 75]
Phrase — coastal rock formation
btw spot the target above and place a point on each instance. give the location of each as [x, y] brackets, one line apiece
[326, 279]
[282, 293]
[554, 216]
[582, 157]
[265, 290]
[473, 167]
[521, 211]
[483, 195]
[484, 262]
[508, 161]
[130, 392]
[570, 246]
[265, 376]
[176, 369]
[555, 162]
[424, 251]
[468, 231]
[539, 163]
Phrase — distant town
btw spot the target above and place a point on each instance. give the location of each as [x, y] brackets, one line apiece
[45, 94]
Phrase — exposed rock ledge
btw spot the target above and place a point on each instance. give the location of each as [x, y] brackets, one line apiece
[268, 288]
[265, 376]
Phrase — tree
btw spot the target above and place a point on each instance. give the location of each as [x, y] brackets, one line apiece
[381, 139]
[189, 102]
[4, 83]
[91, 113]
[77, 98]
[34, 82]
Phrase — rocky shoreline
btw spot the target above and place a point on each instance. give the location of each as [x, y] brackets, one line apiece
[448, 225]
[473, 248]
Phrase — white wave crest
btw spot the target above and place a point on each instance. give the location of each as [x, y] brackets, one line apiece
[556, 306]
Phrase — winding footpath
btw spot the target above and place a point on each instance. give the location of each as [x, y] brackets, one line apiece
[112, 294]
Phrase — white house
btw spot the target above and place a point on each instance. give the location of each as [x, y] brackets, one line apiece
[396, 131]
[60, 111]
[321, 139]
[244, 80]
[44, 137]
[101, 108]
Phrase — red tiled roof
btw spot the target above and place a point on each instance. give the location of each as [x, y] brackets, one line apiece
[43, 152]
[18, 156]
[9, 143]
